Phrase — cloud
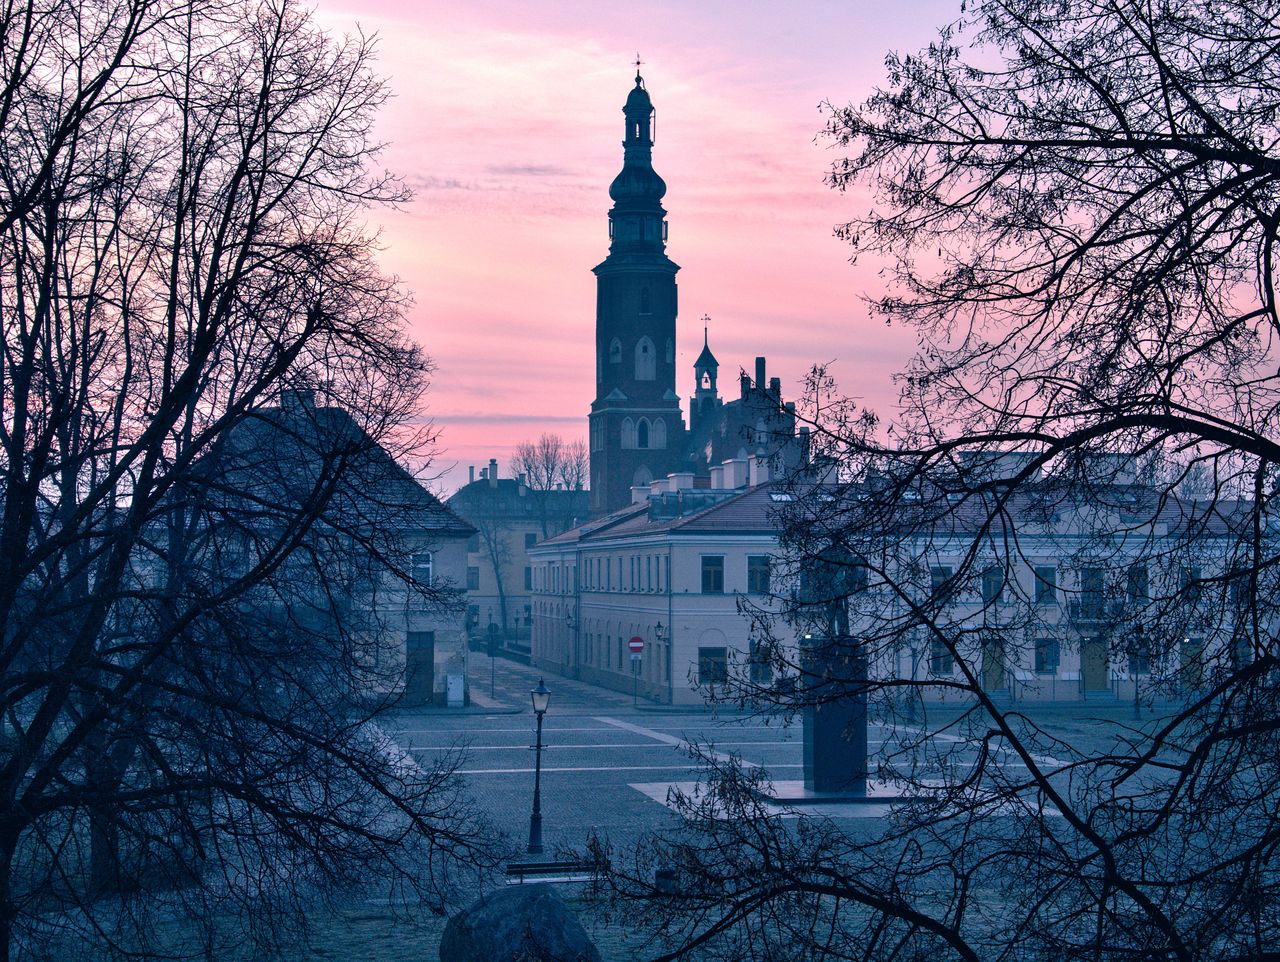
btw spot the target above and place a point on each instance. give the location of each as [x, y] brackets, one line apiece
[532, 170]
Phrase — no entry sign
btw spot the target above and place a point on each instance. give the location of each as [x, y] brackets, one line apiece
[636, 644]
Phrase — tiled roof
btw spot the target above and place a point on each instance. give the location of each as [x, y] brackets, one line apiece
[749, 511]
[281, 454]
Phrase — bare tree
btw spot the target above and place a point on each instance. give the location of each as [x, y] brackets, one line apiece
[548, 464]
[1076, 206]
[188, 576]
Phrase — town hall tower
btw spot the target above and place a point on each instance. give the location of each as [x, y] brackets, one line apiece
[637, 431]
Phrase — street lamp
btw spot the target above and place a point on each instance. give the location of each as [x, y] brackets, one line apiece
[541, 698]
[571, 622]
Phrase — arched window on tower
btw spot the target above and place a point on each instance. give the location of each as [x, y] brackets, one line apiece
[642, 433]
[615, 351]
[628, 433]
[645, 360]
[658, 434]
[644, 301]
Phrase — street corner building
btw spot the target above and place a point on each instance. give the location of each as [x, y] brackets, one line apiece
[668, 569]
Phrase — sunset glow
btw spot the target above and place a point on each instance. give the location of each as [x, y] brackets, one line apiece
[506, 123]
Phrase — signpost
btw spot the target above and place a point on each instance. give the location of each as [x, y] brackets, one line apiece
[636, 644]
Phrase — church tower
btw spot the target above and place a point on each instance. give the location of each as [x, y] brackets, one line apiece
[705, 407]
[636, 428]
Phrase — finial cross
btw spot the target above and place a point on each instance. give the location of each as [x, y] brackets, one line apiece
[639, 62]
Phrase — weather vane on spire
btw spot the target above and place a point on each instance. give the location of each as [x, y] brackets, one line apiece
[706, 321]
[638, 63]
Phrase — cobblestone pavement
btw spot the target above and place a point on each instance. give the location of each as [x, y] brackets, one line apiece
[606, 768]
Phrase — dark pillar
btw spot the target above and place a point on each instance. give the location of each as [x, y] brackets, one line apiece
[835, 717]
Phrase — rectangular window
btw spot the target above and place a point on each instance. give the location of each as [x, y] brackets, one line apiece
[940, 660]
[1046, 585]
[1046, 656]
[473, 615]
[528, 578]
[993, 586]
[648, 572]
[1137, 584]
[713, 574]
[1238, 588]
[758, 574]
[1191, 586]
[713, 666]
[939, 575]
[1191, 663]
[1091, 593]
[473, 578]
[530, 539]
[1241, 651]
[422, 567]
[761, 670]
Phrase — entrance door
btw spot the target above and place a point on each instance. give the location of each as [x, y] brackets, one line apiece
[420, 667]
[1093, 664]
[993, 673]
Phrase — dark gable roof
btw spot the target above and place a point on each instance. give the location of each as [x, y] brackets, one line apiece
[283, 452]
[503, 499]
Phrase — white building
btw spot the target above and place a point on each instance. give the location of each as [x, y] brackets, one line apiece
[1120, 593]
[670, 570]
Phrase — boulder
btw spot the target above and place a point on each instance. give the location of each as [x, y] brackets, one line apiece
[520, 923]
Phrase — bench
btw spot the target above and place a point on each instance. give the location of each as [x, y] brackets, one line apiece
[576, 871]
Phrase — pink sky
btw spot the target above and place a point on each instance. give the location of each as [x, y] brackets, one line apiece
[507, 124]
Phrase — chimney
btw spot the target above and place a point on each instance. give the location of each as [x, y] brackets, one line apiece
[296, 400]
[717, 478]
[746, 386]
[735, 473]
[493, 472]
[523, 488]
[760, 373]
[639, 493]
[758, 467]
[680, 480]
[775, 386]
[471, 472]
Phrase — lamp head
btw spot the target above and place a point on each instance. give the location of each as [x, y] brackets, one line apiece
[541, 698]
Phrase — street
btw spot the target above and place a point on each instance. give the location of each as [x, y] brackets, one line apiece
[597, 749]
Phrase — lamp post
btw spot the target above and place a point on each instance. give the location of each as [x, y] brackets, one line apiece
[541, 698]
[571, 622]
[660, 635]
